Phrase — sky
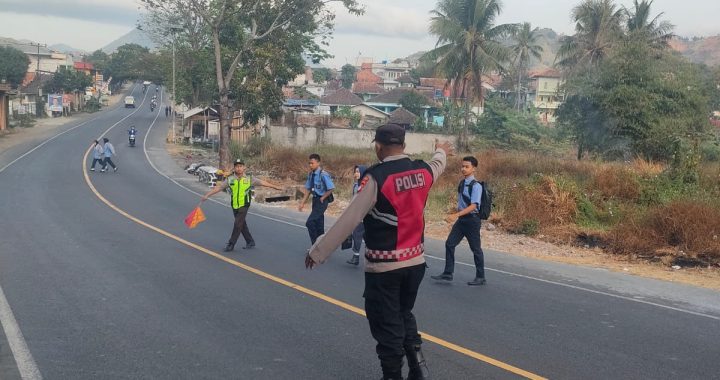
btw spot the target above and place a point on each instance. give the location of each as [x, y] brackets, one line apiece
[389, 28]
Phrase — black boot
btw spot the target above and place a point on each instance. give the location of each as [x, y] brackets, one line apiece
[416, 363]
[229, 247]
[354, 260]
[392, 368]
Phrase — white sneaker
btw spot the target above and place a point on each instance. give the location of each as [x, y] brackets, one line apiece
[92, 169]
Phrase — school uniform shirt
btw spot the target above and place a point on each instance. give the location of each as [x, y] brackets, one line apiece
[98, 151]
[356, 211]
[319, 182]
[474, 199]
[109, 150]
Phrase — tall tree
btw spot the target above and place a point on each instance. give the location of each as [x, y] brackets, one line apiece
[468, 46]
[68, 80]
[240, 30]
[13, 65]
[347, 75]
[598, 28]
[525, 46]
[654, 32]
[100, 61]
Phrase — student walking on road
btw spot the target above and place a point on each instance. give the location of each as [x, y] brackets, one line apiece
[359, 231]
[240, 196]
[466, 224]
[98, 152]
[320, 186]
[390, 202]
[108, 152]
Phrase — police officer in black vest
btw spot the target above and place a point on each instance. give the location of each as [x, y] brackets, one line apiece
[390, 203]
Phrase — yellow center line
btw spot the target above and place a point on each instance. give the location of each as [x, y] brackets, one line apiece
[302, 289]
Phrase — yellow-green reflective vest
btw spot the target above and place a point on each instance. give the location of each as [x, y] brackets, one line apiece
[239, 191]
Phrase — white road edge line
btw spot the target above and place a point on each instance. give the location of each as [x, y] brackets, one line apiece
[599, 292]
[23, 358]
[21, 353]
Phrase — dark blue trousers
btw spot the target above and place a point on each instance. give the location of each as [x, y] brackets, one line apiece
[466, 227]
[316, 221]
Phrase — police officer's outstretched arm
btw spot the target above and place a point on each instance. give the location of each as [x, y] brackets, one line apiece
[218, 188]
[359, 206]
[439, 160]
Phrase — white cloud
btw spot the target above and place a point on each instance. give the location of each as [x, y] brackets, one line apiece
[382, 19]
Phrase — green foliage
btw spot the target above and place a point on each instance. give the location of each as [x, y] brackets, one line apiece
[500, 126]
[100, 61]
[13, 65]
[93, 105]
[68, 80]
[414, 102]
[347, 113]
[133, 62]
[347, 75]
[322, 75]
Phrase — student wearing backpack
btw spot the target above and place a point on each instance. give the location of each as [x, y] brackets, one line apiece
[320, 186]
[467, 222]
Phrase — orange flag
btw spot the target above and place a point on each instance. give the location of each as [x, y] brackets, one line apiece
[195, 217]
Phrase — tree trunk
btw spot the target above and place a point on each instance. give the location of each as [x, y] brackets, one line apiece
[463, 142]
[225, 124]
[518, 88]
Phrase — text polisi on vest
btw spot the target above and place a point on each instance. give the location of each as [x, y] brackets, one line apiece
[409, 182]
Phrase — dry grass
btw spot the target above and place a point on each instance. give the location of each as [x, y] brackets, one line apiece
[539, 195]
[687, 231]
[615, 182]
[543, 201]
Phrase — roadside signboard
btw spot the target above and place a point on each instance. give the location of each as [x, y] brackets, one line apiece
[55, 102]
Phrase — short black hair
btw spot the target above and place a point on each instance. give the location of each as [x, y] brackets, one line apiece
[315, 157]
[472, 160]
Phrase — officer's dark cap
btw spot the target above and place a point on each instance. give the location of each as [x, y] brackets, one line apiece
[390, 134]
[239, 162]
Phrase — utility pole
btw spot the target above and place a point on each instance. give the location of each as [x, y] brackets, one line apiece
[174, 29]
[173, 93]
[37, 70]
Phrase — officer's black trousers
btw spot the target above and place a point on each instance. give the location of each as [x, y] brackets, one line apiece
[240, 226]
[389, 300]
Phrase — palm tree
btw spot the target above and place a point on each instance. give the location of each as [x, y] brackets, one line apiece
[525, 47]
[655, 33]
[468, 46]
[598, 28]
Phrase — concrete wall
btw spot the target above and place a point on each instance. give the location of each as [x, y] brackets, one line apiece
[352, 138]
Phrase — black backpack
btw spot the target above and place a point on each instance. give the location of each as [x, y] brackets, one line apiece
[486, 197]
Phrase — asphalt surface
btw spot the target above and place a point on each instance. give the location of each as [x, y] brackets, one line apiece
[98, 295]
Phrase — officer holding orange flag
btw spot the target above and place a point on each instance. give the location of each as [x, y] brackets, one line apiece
[240, 196]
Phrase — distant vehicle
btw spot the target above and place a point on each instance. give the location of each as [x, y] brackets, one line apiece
[129, 102]
[146, 83]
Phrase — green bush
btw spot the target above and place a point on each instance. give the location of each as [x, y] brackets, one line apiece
[529, 227]
[92, 105]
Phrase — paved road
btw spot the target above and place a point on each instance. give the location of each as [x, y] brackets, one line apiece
[93, 294]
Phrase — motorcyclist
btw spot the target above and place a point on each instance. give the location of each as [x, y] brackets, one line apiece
[131, 134]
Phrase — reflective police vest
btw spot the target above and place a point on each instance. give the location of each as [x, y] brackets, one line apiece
[239, 191]
[394, 228]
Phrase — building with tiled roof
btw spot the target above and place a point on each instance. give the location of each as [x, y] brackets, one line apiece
[340, 98]
[367, 90]
[403, 117]
[366, 75]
